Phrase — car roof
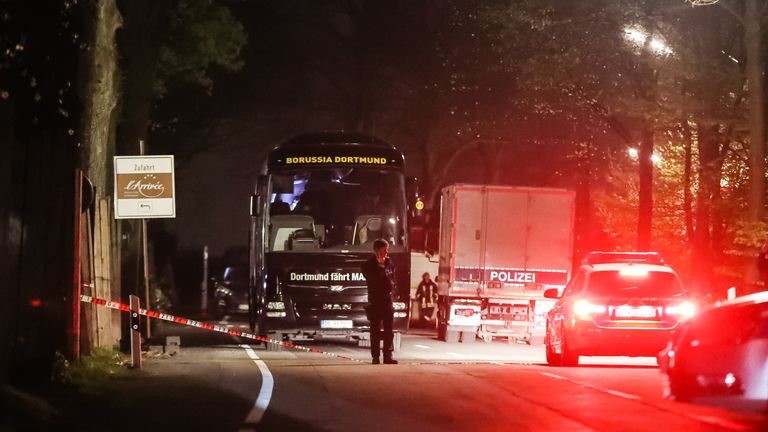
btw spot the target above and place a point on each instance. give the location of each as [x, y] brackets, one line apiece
[623, 266]
[598, 257]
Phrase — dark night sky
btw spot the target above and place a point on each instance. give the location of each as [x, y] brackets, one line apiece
[312, 67]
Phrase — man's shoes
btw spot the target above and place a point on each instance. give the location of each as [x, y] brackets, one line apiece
[376, 361]
[390, 361]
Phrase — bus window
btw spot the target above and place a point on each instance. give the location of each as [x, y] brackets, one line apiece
[352, 206]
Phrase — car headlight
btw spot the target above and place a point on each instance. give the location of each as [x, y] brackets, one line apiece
[398, 306]
[277, 305]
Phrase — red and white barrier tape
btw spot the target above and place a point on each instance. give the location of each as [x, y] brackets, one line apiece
[212, 327]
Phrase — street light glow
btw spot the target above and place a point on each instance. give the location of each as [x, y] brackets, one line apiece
[638, 37]
[635, 153]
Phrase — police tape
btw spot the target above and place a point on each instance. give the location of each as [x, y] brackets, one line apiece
[206, 326]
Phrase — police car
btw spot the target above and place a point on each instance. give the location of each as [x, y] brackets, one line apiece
[616, 304]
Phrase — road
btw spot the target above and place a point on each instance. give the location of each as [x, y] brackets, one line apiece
[225, 384]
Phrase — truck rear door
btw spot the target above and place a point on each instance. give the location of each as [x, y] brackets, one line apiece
[462, 210]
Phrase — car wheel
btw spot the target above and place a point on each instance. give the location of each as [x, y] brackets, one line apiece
[568, 357]
[678, 390]
[553, 358]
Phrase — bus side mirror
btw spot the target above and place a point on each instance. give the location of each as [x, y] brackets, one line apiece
[256, 205]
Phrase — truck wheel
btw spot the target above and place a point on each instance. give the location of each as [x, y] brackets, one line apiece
[273, 346]
[468, 337]
[452, 336]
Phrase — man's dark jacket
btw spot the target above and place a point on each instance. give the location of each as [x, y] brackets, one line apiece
[381, 283]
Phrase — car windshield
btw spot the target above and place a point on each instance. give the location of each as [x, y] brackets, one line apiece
[333, 209]
[636, 284]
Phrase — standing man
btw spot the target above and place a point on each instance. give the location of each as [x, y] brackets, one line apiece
[380, 275]
[426, 294]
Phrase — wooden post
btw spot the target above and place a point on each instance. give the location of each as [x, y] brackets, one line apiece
[135, 321]
[145, 246]
[204, 293]
[74, 315]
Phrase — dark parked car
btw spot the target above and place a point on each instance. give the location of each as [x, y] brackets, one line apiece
[230, 291]
[627, 308]
[721, 356]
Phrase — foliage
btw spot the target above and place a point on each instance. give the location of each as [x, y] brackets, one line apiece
[91, 373]
[36, 62]
[203, 34]
[748, 235]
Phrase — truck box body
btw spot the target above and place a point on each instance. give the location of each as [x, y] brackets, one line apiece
[500, 248]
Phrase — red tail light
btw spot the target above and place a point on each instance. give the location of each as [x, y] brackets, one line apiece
[584, 309]
[684, 310]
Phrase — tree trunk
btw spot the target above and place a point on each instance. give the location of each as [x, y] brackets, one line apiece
[99, 92]
[755, 69]
[709, 179]
[99, 101]
[687, 173]
[645, 199]
[583, 180]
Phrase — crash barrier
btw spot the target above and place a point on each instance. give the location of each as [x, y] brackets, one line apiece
[205, 326]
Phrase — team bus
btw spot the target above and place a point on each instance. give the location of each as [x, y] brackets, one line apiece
[319, 203]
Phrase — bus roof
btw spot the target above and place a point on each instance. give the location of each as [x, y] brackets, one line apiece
[330, 138]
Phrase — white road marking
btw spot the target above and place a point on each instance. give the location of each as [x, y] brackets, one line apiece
[622, 394]
[423, 346]
[551, 375]
[265, 393]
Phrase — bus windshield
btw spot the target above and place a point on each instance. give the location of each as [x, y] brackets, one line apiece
[336, 209]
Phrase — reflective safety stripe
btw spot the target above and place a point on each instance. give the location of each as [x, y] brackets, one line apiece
[192, 323]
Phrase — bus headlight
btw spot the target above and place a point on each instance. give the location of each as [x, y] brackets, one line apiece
[398, 306]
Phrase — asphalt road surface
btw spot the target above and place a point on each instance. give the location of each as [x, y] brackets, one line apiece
[218, 382]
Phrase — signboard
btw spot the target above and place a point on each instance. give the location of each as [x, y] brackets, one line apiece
[144, 187]
[335, 156]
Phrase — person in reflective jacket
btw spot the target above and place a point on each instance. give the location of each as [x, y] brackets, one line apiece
[379, 273]
[426, 294]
